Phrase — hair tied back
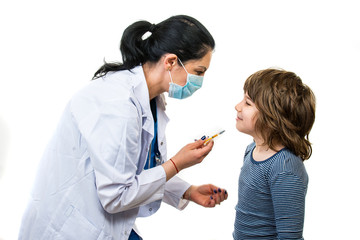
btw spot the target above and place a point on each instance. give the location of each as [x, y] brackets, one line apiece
[149, 32]
[152, 28]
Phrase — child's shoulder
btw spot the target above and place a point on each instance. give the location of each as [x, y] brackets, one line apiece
[285, 156]
[287, 162]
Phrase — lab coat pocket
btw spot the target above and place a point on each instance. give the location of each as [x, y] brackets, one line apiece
[77, 226]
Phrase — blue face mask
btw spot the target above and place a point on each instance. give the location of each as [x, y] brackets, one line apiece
[193, 83]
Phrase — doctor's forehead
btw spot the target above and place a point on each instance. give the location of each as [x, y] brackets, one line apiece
[203, 62]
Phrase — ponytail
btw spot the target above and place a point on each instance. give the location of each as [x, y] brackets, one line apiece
[131, 48]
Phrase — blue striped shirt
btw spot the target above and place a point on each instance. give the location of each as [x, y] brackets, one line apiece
[271, 200]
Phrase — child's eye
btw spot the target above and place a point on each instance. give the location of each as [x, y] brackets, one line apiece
[247, 103]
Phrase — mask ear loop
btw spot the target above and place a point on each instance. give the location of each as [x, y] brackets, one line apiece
[183, 66]
[170, 76]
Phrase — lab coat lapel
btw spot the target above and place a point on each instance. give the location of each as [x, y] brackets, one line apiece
[162, 117]
[162, 123]
[141, 93]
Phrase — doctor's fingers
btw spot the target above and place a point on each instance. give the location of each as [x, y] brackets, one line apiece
[207, 149]
[219, 195]
[202, 143]
[197, 144]
[199, 149]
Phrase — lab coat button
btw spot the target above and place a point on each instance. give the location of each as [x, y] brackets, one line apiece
[161, 143]
[150, 209]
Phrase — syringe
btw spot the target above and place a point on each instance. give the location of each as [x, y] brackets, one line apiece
[214, 136]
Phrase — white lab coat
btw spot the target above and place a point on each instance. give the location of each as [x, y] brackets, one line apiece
[91, 182]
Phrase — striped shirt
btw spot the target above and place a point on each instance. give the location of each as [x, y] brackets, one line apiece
[271, 200]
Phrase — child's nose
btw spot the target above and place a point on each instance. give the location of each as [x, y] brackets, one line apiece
[237, 107]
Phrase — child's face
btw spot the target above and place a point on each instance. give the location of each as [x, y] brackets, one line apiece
[246, 116]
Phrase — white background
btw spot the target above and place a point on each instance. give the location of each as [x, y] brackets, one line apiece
[50, 49]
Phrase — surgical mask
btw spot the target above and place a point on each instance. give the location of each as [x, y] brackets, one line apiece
[193, 83]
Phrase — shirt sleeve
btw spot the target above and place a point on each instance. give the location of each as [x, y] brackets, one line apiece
[288, 195]
[112, 132]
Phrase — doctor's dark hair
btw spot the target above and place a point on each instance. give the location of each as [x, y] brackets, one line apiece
[181, 35]
[286, 109]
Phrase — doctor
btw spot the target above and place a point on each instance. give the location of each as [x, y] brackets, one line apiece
[107, 163]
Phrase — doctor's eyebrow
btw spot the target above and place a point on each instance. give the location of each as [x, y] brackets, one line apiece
[203, 67]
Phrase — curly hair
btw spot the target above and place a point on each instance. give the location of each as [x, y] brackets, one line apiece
[286, 109]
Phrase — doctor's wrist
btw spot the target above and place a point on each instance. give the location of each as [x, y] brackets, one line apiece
[187, 193]
[176, 168]
[170, 168]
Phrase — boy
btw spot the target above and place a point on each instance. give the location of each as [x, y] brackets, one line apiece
[278, 111]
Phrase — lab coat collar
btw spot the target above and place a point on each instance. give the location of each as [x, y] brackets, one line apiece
[141, 91]
[161, 102]
[140, 88]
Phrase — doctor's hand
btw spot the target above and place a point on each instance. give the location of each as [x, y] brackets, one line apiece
[192, 153]
[206, 195]
[189, 155]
